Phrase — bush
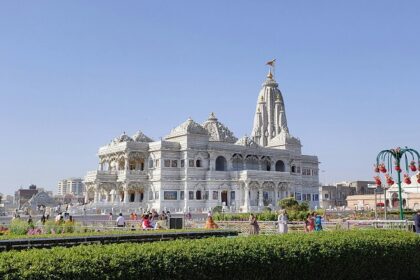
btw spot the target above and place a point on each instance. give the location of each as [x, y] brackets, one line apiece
[290, 203]
[19, 227]
[217, 209]
[50, 227]
[325, 255]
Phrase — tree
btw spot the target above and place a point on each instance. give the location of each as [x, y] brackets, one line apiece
[290, 203]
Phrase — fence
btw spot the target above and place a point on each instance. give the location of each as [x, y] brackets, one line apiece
[271, 227]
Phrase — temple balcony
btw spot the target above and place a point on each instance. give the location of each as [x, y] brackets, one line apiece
[218, 175]
[132, 175]
[262, 175]
[99, 175]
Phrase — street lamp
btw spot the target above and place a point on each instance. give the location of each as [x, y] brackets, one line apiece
[393, 159]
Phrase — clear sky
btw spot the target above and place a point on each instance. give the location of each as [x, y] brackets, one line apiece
[75, 74]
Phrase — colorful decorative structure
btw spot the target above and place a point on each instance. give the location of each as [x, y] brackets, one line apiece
[397, 158]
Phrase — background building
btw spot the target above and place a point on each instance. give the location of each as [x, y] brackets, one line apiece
[410, 197]
[336, 195]
[73, 186]
[23, 195]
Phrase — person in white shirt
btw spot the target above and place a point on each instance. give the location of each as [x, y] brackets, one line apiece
[282, 221]
[120, 221]
[58, 218]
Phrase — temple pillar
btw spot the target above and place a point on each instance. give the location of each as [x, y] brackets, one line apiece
[246, 197]
[126, 164]
[136, 196]
[87, 196]
[95, 196]
[126, 197]
[276, 195]
[260, 198]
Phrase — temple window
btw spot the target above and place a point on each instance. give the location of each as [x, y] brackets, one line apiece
[174, 163]
[182, 163]
[198, 195]
[221, 164]
[167, 163]
[191, 163]
[198, 163]
[280, 167]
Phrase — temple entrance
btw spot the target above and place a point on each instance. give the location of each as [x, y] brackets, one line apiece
[224, 198]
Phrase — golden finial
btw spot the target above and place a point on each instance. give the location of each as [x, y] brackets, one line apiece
[270, 75]
[262, 98]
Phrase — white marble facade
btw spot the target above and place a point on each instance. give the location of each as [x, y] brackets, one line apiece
[200, 166]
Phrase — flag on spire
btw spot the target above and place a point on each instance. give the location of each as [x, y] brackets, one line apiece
[271, 62]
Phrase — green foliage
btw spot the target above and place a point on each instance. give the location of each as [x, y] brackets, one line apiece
[217, 209]
[288, 203]
[291, 204]
[264, 216]
[18, 226]
[322, 255]
[80, 232]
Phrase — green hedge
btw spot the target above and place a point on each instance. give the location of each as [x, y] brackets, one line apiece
[359, 254]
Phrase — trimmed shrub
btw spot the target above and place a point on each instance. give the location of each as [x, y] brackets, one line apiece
[369, 254]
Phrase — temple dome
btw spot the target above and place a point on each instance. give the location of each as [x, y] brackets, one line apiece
[141, 137]
[217, 131]
[187, 127]
[122, 138]
[247, 142]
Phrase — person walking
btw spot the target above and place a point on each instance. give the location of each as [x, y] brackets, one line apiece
[282, 220]
[318, 222]
[417, 222]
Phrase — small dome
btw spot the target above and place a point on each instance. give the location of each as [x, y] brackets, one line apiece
[141, 137]
[122, 138]
[217, 131]
[247, 142]
[187, 127]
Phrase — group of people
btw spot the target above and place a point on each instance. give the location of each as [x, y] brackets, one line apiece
[149, 220]
[313, 222]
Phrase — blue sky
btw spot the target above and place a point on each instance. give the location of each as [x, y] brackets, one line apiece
[75, 74]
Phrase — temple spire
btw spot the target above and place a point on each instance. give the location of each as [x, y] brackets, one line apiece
[270, 117]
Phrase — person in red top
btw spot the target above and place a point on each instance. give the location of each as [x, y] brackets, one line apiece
[146, 223]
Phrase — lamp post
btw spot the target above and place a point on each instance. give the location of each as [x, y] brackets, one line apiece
[393, 159]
